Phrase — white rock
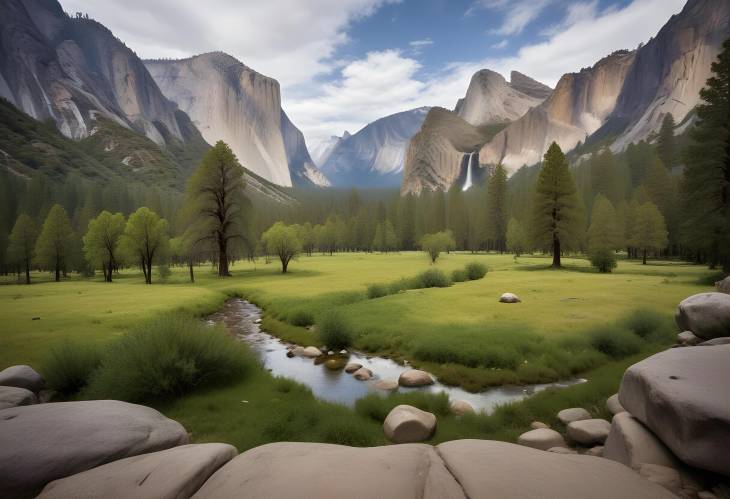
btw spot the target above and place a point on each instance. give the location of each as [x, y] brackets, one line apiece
[311, 352]
[415, 377]
[509, 298]
[567, 416]
[589, 431]
[707, 315]
[363, 374]
[542, 439]
[12, 396]
[461, 407]
[352, 367]
[406, 424]
[23, 377]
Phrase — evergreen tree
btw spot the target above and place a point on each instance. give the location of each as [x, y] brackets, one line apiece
[407, 222]
[22, 243]
[517, 241]
[458, 217]
[496, 227]
[54, 242]
[437, 219]
[101, 241]
[603, 235]
[557, 218]
[389, 237]
[666, 141]
[706, 184]
[650, 231]
[379, 239]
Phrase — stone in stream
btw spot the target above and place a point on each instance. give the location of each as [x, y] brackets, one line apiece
[589, 431]
[168, 474]
[387, 385]
[461, 407]
[335, 363]
[567, 416]
[415, 377]
[407, 424]
[707, 315]
[542, 439]
[509, 298]
[311, 352]
[12, 396]
[44, 442]
[352, 367]
[363, 374]
[296, 352]
[613, 405]
[22, 377]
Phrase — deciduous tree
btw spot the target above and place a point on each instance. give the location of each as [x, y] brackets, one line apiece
[54, 242]
[281, 240]
[145, 239]
[22, 243]
[101, 241]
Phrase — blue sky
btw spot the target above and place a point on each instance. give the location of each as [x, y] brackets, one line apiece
[344, 63]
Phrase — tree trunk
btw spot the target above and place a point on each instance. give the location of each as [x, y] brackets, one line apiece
[284, 265]
[192, 275]
[643, 262]
[27, 271]
[556, 253]
[222, 257]
[58, 270]
[149, 271]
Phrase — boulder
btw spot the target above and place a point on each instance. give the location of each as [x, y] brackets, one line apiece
[509, 298]
[363, 374]
[296, 352]
[688, 339]
[536, 425]
[387, 385]
[682, 396]
[589, 431]
[414, 377]
[168, 474]
[461, 407]
[668, 478]
[352, 367]
[567, 416]
[311, 352]
[12, 396]
[613, 405]
[406, 424]
[723, 286]
[488, 469]
[542, 439]
[22, 377]
[631, 443]
[303, 470]
[44, 442]
[335, 363]
[707, 315]
[725, 340]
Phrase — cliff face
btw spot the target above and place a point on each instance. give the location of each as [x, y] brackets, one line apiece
[302, 169]
[71, 69]
[578, 107]
[374, 156]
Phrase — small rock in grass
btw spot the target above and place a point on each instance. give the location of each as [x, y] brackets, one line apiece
[407, 424]
[363, 374]
[461, 407]
[567, 416]
[542, 439]
[536, 425]
[687, 339]
[509, 298]
[23, 377]
[352, 367]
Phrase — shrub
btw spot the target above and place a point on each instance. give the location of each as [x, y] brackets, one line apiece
[377, 407]
[163, 270]
[432, 278]
[68, 367]
[377, 290]
[335, 331]
[168, 356]
[301, 318]
[614, 342]
[459, 275]
[475, 270]
[346, 432]
[649, 325]
[603, 259]
[399, 285]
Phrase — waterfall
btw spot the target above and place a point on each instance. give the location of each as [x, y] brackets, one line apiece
[468, 182]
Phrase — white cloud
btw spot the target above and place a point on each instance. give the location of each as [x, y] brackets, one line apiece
[421, 43]
[290, 40]
[501, 45]
[517, 14]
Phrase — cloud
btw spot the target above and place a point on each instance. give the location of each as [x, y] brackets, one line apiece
[500, 45]
[421, 43]
[290, 40]
[517, 14]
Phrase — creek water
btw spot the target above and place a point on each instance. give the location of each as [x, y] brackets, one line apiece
[242, 319]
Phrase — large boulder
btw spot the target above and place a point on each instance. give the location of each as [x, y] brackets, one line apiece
[44, 442]
[707, 315]
[723, 286]
[306, 470]
[12, 396]
[488, 469]
[631, 443]
[613, 405]
[414, 377]
[589, 431]
[406, 424]
[725, 340]
[22, 377]
[542, 439]
[168, 474]
[567, 416]
[682, 396]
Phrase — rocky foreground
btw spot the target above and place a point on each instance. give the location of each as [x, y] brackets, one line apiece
[669, 437]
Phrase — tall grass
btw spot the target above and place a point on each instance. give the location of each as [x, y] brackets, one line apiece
[335, 330]
[68, 367]
[377, 407]
[431, 278]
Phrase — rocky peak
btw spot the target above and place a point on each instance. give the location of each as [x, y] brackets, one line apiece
[528, 86]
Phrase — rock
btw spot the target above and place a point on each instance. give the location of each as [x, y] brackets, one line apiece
[461, 407]
[12, 396]
[562, 450]
[406, 424]
[723, 286]
[311, 352]
[45, 442]
[488, 469]
[343, 352]
[335, 363]
[22, 377]
[414, 377]
[613, 405]
[509, 298]
[330, 352]
[303, 470]
[296, 352]
[542, 438]
[168, 474]
[352, 367]
[687, 339]
[567, 416]
[589, 431]
[682, 396]
[596, 451]
[707, 315]
[363, 374]
[725, 340]
[387, 384]
[668, 478]
[536, 425]
[631, 443]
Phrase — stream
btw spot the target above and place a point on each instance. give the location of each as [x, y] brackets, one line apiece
[242, 319]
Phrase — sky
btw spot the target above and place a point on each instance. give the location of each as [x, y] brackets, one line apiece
[342, 64]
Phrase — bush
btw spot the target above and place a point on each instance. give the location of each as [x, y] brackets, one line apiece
[164, 271]
[459, 275]
[649, 325]
[168, 356]
[301, 318]
[432, 278]
[377, 290]
[614, 342]
[69, 366]
[399, 285]
[475, 270]
[603, 259]
[335, 331]
[377, 407]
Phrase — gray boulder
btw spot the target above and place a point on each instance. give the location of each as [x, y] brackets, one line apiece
[45, 442]
[567, 416]
[414, 377]
[613, 405]
[707, 315]
[12, 396]
[688, 339]
[407, 424]
[725, 340]
[589, 431]
[509, 298]
[632, 444]
[723, 286]
[22, 377]
[682, 396]
[168, 474]
[305, 470]
[542, 439]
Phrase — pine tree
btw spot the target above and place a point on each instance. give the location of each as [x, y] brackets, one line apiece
[458, 218]
[54, 242]
[650, 231]
[603, 235]
[389, 237]
[22, 243]
[496, 228]
[517, 241]
[557, 217]
[666, 141]
[379, 239]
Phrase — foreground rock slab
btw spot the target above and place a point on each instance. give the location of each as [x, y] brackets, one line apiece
[168, 474]
[682, 396]
[631, 443]
[22, 377]
[707, 315]
[407, 424]
[304, 470]
[44, 442]
[488, 469]
[12, 396]
[589, 431]
[542, 439]
[415, 377]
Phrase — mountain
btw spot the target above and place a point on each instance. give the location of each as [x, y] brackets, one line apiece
[321, 151]
[374, 156]
[231, 102]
